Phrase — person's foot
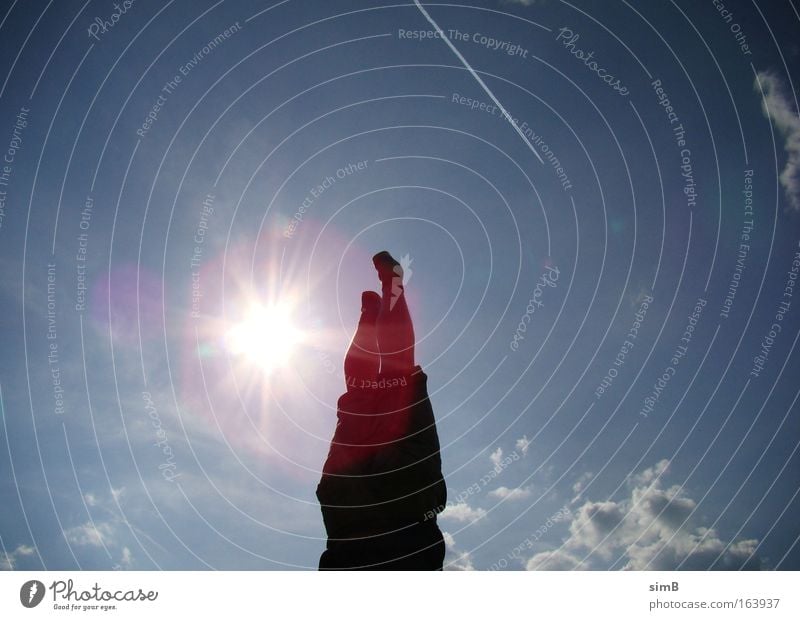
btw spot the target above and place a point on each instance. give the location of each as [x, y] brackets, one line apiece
[370, 306]
[387, 267]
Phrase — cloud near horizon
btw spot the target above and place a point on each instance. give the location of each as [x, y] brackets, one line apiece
[455, 559]
[8, 561]
[648, 530]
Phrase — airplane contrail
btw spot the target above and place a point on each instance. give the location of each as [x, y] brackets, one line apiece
[463, 60]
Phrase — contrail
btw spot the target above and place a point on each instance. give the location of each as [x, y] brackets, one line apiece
[463, 60]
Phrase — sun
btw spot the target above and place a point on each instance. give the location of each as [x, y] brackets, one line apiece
[266, 337]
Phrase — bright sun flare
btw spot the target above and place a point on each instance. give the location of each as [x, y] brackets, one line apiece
[266, 337]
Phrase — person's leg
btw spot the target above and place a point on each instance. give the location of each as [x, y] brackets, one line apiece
[362, 361]
[395, 330]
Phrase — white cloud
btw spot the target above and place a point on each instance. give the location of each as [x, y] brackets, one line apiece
[462, 513]
[592, 525]
[91, 534]
[580, 485]
[24, 550]
[696, 550]
[511, 494]
[496, 457]
[461, 561]
[651, 529]
[554, 560]
[453, 558]
[777, 106]
[104, 532]
[126, 561]
[8, 561]
[92, 500]
[647, 476]
[522, 444]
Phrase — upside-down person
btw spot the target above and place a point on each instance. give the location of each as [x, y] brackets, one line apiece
[382, 484]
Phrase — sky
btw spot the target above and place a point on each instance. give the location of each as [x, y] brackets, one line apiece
[598, 210]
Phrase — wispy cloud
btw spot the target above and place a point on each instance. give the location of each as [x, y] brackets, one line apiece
[650, 474]
[8, 561]
[511, 494]
[580, 485]
[651, 529]
[453, 558]
[462, 513]
[93, 500]
[558, 559]
[90, 534]
[522, 444]
[496, 457]
[104, 535]
[107, 533]
[126, 559]
[777, 106]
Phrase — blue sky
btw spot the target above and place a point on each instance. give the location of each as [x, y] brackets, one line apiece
[609, 333]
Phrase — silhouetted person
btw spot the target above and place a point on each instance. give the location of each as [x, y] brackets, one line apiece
[382, 484]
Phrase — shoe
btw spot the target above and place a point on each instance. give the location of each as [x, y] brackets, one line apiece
[387, 267]
[370, 305]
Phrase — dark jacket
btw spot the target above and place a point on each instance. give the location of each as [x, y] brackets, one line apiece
[384, 469]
